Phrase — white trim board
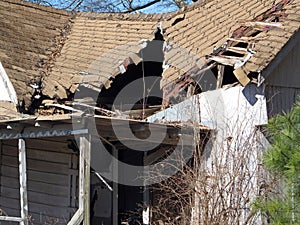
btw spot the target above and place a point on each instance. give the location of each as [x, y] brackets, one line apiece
[7, 91]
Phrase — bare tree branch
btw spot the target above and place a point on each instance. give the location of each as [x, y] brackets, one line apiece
[142, 6]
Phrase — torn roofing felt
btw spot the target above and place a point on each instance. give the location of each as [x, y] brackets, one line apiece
[48, 52]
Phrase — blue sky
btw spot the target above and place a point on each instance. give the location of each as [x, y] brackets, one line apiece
[160, 7]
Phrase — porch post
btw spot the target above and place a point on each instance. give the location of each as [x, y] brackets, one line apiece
[23, 182]
[85, 146]
[84, 177]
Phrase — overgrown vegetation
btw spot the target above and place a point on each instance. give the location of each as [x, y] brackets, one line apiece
[282, 205]
[217, 187]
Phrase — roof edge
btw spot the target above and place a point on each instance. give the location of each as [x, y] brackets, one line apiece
[286, 49]
[36, 6]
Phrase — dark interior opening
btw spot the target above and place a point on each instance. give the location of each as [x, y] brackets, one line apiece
[129, 86]
[230, 53]
[253, 75]
[139, 86]
[229, 77]
[130, 198]
[241, 45]
[255, 33]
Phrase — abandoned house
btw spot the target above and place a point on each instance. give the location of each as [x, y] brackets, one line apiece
[84, 95]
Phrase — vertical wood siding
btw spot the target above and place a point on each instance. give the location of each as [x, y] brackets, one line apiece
[283, 84]
[280, 99]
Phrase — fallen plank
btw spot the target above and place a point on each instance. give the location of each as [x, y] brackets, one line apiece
[237, 50]
[225, 60]
[261, 25]
[11, 218]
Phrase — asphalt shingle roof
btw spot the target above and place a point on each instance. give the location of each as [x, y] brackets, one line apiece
[53, 48]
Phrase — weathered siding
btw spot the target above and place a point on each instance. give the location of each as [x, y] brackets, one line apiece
[52, 173]
[280, 99]
[283, 84]
[287, 73]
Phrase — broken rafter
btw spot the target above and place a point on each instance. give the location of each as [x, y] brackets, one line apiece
[220, 75]
[226, 60]
[63, 107]
[261, 25]
[104, 111]
[202, 70]
[237, 50]
[245, 39]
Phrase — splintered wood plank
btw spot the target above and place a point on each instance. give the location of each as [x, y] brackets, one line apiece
[225, 60]
[220, 75]
[77, 218]
[261, 25]
[11, 219]
[237, 50]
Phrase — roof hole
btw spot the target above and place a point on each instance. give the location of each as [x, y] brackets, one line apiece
[178, 19]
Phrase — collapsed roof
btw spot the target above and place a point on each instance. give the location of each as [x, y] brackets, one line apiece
[48, 52]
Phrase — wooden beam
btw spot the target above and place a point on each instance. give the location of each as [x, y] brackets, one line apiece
[85, 143]
[237, 50]
[23, 182]
[242, 39]
[149, 159]
[81, 173]
[225, 60]
[261, 25]
[115, 209]
[220, 75]
[77, 218]
[11, 218]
